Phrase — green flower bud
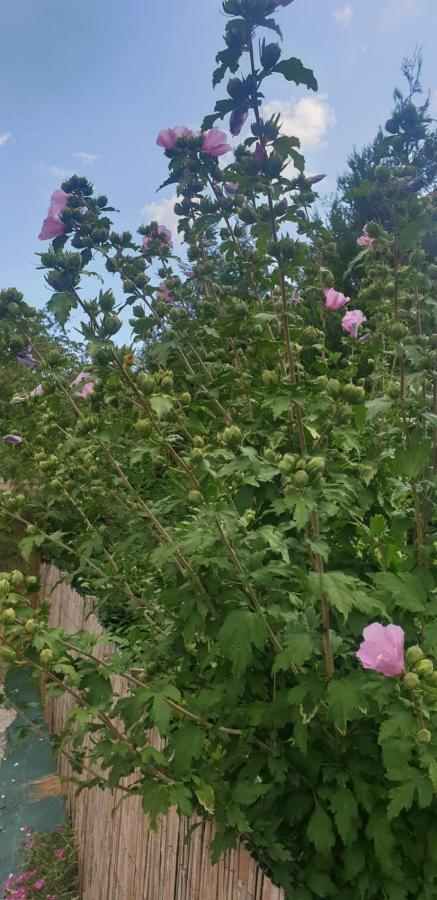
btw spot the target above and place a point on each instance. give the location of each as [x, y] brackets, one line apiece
[31, 625]
[414, 655]
[232, 436]
[424, 667]
[300, 479]
[424, 736]
[185, 398]
[198, 440]
[301, 464]
[310, 336]
[269, 378]
[9, 616]
[287, 464]
[316, 466]
[146, 383]
[333, 387]
[32, 581]
[354, 393]
[398, 331]
[167, 383]
[432, 679]
[270, 54]
[46, 656]
[411, 681]
[143, 426]
[195, 498]
[16, 577]
[196, 454]
[7, 654]
[320, 383]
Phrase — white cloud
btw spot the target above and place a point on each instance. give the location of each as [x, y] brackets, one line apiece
[393, 11]
[5, 137]
[87, 158]
[58, 172]
[344, 14]
[162, 211]
[308, 118]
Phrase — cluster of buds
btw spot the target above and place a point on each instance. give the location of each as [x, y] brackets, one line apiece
[302, 471]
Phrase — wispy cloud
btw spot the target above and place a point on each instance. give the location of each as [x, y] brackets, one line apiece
[394, 11]
[5, 137]
[162, 211]
[344, 15]
[87, 158]
[58, 172]
[309, 118]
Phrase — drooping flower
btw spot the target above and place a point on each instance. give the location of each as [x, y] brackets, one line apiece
[81, 377]
[215, 142]
[60, 854]
[53, 226]
[164, 293]
[383, 649]
[315, 179]
[87, 389]
[352, 321]
[25, 876]
[168, 136]
[237, 120]
[12, 439]
[231, 188]
[259, 153]
[37, 391]
[334, 299]
[364, 239]
[25, 358]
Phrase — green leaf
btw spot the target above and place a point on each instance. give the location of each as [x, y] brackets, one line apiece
[98, 688]
[155, 801]
[344, 592]
[409, 461]
[299, 648]
[187, 744]
[247, 792]
[378, 407]
[321, 885]
[161, 404]
[347, 699]
[241, 631]
[28, 544]
[293, 70]
[206, 797]
[320, 831]
[401, 797]
[161, 712]
[61, 305]
[406, 588]
[378, 830]
[345, 810]
[180, 796]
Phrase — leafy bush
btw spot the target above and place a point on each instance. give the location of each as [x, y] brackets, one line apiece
[244, 489]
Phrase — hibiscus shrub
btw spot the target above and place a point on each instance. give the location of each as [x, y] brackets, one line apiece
[246, 488]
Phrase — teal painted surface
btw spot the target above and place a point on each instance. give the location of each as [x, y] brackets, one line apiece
[27, 758]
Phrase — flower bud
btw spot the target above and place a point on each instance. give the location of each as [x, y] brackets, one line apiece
[32, 581]
[269, 378]
[424, 667]
[232, 436]
[310, 335]
[46, 656]
[196, 454]
[195, 498]
[143, 426]
[398, 331]
[411, 681]
[146, 383]
[185, 398]
[288, 463]
[414, 655]
[354, 393]
[198, 440]
[270, 54]
[333, 387]
[167, 382]
[424, 736]
[300, 479]
[31, 625]
[316, 466]
[9, 616]
[16, 577]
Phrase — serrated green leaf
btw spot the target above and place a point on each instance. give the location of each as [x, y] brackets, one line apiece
[293, 70]
[299, 648]
[187, 744]
[320, 831]
[241, 631]
[378, 407]
[401, 797]
[345, 810]
[410, 460]
[161, 404]
[206, 797]
[347, 699]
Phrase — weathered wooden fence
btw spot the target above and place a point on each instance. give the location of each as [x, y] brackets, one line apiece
[120, 859]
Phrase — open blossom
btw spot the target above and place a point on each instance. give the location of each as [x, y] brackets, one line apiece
[168, 136]
[87, 389]
[81, 377]
[164, 292]
[352, 321]
[39, 885]
[365, 240]
[25, 358]
[383, 649]
[231, 188]
[53, 226]
[334, 299]
[215, 142]
[12, 439]
[25, 876]
[161, 233]
[60, 854]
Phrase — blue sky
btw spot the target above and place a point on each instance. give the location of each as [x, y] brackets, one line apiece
[86, 85]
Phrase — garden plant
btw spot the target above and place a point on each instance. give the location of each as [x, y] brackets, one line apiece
[247, 486]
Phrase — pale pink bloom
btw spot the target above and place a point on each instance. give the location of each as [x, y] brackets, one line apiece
[87, 389]
[334, 299]
[168, 136]
[25, 877]
[215, 142]
[79, 378]
[159, 231]
[231, 188]
[315, 179]
[12, 439]
[383, 649]
[365, 240]
[352, 321]
[60, 854]
[39, 885]
[53, 226]
[164, 293]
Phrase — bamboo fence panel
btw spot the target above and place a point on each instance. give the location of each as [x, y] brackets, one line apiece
[119, 857]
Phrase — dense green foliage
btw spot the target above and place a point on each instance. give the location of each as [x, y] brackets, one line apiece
[244, 489]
